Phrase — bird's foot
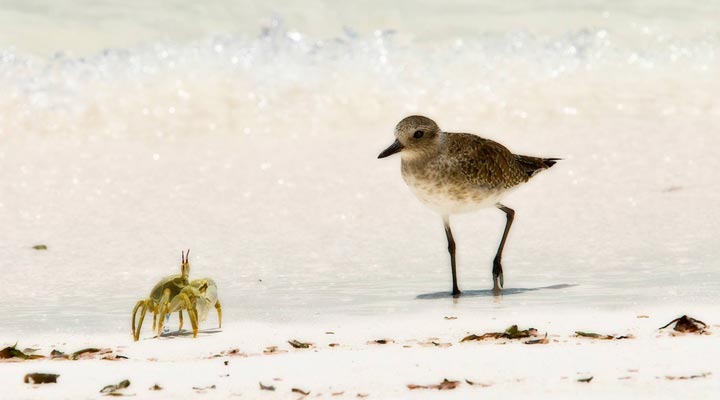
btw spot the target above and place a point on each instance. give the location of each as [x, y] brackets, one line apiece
[498, 280]
[456, 292]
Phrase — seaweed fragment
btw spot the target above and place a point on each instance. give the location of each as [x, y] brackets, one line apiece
[593, 335]
[300, 345]
[14, 352]
[512, 332]
[40, 378]
[687, 324]
[114, 390]
[444, 385]
[302, 392]
[266, 387]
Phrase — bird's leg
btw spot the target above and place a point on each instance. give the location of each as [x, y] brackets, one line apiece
[498, 281]
[451, 250]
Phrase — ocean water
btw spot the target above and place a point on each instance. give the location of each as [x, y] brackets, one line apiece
[249, 134]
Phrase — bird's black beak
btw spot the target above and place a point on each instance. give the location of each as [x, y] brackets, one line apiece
[394, 148]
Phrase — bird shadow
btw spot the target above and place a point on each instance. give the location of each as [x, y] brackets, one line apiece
[490, 292]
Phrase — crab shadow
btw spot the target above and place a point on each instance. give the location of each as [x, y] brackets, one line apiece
[490, 292]
[186, 333]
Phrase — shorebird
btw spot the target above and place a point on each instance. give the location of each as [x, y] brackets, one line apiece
[453, 173]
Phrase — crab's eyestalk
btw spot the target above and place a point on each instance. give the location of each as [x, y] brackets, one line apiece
[185, 268]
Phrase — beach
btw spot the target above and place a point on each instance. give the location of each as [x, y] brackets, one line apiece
[388, 357]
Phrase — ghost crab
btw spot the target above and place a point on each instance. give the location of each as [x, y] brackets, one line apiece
[160, 295]
[177, 293]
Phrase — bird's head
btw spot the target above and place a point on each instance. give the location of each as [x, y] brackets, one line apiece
[414, 135]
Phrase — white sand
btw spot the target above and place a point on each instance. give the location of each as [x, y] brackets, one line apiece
[630, 368]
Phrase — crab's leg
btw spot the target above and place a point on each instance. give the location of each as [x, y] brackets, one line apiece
[145, 306]
[181, 320]
[134, 313]
[192, 311]
[163, 309]
[218, 307]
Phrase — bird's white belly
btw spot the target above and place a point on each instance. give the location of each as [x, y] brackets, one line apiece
[448, 199]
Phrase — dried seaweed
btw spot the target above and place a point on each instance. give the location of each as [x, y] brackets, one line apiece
[266, 387]
[112, 390]
[40, 378]
[510, 333]
[300, 345]
[14, 352]
[82, 352]
[444, 385]
[687, 324]
[703, 375]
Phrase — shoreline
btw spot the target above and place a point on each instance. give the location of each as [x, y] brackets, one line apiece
[380, 357]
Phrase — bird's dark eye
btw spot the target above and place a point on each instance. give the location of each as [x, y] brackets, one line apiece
[418, 134]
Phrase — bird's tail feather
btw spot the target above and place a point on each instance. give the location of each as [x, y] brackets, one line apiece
[533, 165]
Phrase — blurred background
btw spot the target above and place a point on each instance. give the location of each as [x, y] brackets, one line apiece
[248, 132]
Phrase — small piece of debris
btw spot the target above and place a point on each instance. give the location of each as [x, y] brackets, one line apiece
[202, 389]
[112, 389]
[155, 387]
[40, 247]
[268, 387]
[444, 385]
[449, 318]
[114, 357]
[273, 350]
[381, 341]
[58, 354]
[703, 375]
[329, 333]
[362, 395]
[593, 335]
[585, 380]
[334, 344]
[643, 316]
[337, 393]
[538, 341]
[302, 392]
[13, 352]
[433, 343]
[226, 362]
[82, 352]
[40, 378]
[471, 383]
[234, 352]
[687, 324]
[300, 345]
[510, 333]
